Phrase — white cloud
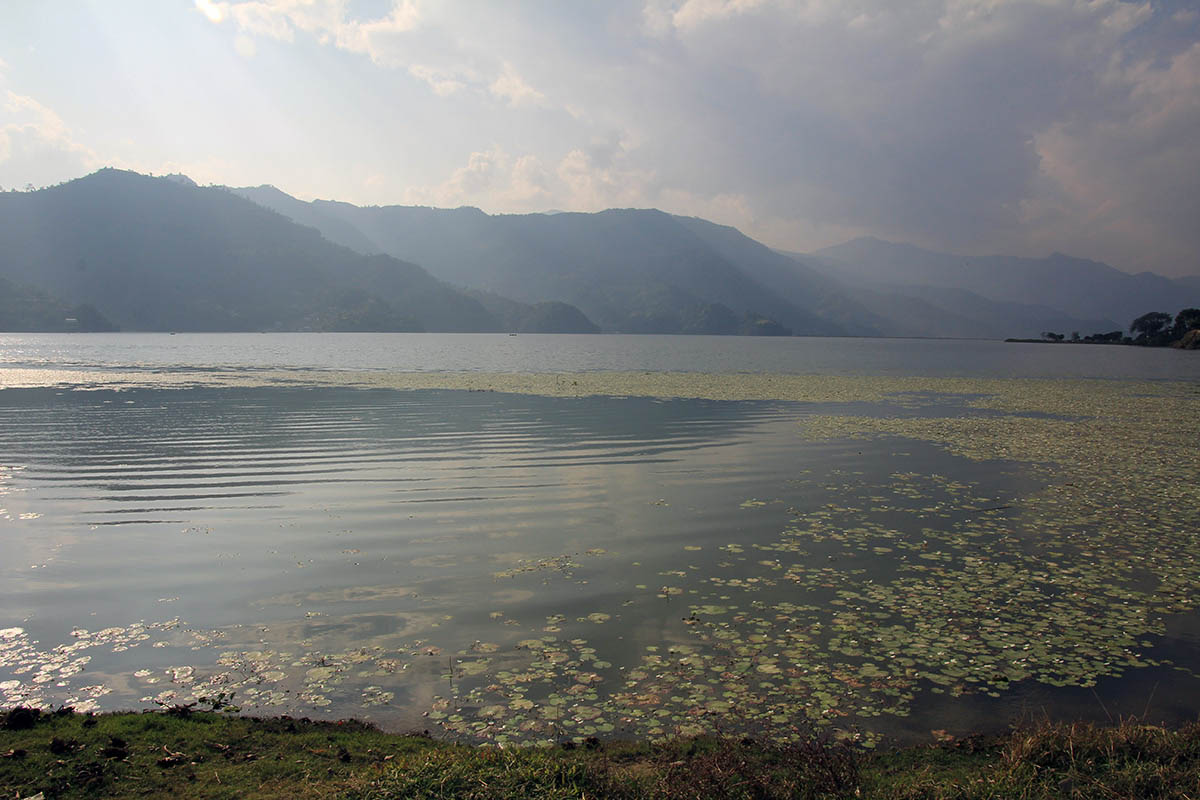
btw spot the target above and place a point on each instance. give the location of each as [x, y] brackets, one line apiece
[389, 41]
[581, 180]
[530, 183]
[329, 21]
[36, 146]
[698, 12]
[591, 186]
[214, 11]
[443, 83]
[20, 109]
[476, 177]
[277, 20]
[467, 185]
[511, 87]
[727, 208]
[656, 17]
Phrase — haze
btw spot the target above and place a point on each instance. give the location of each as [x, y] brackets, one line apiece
[971, 126]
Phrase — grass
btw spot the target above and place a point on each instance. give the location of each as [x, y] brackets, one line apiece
[209, 755]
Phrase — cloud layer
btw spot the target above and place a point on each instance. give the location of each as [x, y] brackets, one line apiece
[977, 125]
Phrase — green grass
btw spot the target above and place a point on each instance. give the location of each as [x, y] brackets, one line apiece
[199, 755]
[210, 755]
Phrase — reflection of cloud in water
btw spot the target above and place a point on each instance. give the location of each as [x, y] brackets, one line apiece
[875, 586]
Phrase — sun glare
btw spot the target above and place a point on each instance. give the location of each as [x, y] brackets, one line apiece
[212, 10]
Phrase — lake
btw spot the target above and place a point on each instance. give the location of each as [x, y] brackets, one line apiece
[538, 353]
[525, 539]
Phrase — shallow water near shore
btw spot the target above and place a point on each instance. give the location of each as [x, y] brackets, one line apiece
[882, 556]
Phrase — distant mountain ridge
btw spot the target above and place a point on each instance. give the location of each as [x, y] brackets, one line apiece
[641, 270]
[632, 270]
[120, 249]
[1095, 293]
[165, 254]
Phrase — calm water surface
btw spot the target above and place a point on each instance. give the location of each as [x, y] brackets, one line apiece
[421, 352]
[426, 558]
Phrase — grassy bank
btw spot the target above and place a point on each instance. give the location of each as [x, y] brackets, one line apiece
[207, 755]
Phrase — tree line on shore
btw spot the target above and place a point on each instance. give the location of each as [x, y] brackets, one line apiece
[1153, 329]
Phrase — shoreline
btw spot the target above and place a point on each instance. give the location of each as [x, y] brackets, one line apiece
[184, 754]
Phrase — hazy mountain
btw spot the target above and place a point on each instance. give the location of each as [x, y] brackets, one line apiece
[164, 254]
[24, 308]
[1088, 294]
[627, 269]
[644, 271]
[1190, 282]
[546, 317]
[312, 215]
[932, 311]
[791, 278]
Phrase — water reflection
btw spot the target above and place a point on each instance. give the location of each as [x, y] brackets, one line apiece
[526, 567]
[143, 492]
[550, 353]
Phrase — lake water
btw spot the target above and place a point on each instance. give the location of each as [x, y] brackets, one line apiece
[419, 352]
[515, 567]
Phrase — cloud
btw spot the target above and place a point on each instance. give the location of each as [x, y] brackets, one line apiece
[36, 146]
[467, 184]
[1126, 184]
[699, 12]
[963, 124]
[930, 122]
[591, 183]
[510, 86]
[214, 11]
[329, 21]
[435, 57]
[586, 178]
[443, 83]
[971, 125]
[530, 183]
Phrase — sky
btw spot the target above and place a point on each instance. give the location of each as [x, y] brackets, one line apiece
[1019, 127]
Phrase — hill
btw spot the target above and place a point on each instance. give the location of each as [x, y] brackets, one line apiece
[118, 249]
[164, 254]
[24, 308]
[1066, 293]
[644, 271]
[631, 270]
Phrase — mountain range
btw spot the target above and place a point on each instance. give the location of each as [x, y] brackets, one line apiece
[165, 254]
[1010, 287]
[146, 253]
[642, 270]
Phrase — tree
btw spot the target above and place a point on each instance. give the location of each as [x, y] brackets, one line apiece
[1150, 327]
[1186, 320]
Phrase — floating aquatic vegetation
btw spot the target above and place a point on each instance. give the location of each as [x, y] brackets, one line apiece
[1058, 562]
[47, 676]
[564, 564]
[1063, 584]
